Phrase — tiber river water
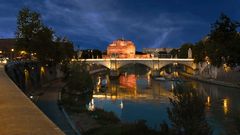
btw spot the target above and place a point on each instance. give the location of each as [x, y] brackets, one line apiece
[135, 96]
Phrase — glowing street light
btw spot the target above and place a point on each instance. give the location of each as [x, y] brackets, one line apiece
[12, 55]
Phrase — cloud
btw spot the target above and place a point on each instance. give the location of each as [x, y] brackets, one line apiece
[83, 19]
[96, 23]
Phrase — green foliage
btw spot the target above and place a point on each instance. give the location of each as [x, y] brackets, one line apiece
[138, 128]
[183, 51]
[104, 117]
[79, 79]
[199, 52]
[75, 103]
[63, 50]
[174, 52]
[223, 44]
[28, 25]
[34, 37]
[187, 113]
[91, 53]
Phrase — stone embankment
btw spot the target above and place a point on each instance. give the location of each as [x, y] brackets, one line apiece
[18, 114]
[212, 81]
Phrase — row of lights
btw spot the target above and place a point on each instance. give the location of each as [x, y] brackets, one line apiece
[21, 52]
[12, 50]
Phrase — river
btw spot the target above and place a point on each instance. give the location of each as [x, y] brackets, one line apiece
[135, 96]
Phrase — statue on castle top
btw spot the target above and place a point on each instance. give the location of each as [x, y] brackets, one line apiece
[189, 53]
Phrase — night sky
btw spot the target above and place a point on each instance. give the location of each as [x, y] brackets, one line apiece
[148, 23]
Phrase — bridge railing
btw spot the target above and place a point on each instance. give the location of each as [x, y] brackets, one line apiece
[129, 59]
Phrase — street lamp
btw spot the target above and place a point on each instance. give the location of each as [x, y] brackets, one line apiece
[12, 50]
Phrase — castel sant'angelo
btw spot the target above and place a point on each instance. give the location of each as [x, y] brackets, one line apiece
[123, 49]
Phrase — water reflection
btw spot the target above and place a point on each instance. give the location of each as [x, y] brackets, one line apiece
[121, 104]
[91, 105]
[133, 97]
[208, 101]
[225, 106]
[131, 86]
[128, 81]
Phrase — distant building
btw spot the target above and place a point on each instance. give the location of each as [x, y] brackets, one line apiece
[158, 52]
[89, 54]
[7, 47]
[123, 49]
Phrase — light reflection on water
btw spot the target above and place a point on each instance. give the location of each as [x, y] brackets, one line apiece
[133, 97]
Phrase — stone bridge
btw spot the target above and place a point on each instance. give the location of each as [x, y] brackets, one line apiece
[155, 64]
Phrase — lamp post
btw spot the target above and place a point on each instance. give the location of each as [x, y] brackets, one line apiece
[12, 53]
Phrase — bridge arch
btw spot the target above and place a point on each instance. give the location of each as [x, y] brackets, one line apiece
[187, 64]
[185, 67]
[124, 63]
[106, 64]
[99, 65]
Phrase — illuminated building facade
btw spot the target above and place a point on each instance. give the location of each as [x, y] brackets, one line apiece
[123, 49]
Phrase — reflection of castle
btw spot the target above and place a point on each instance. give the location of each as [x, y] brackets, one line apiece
[128, 81]
[123, 49]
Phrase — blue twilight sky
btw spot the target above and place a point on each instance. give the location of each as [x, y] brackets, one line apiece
[148, 23]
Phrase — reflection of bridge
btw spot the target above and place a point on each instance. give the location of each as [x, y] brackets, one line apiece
[155, 64]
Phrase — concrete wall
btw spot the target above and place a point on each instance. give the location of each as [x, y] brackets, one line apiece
[30, 76]
[208, 71]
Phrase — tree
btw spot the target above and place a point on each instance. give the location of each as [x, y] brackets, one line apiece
[183, 53]
[174, 52]
[91, 53]
[187, 113]
[63, 50]
[43, 45]
[34, 37]
[199, 52]
[79, 79]
[223, 44]
[28, 25]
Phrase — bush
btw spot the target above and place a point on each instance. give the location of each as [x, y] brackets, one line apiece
[104, 117]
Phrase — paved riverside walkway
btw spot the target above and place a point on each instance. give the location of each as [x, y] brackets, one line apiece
[48, 104]
[18, 115]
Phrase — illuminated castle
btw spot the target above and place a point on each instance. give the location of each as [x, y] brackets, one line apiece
[122, 49]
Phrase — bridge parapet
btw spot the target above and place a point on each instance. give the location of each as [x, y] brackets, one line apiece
[152, 63]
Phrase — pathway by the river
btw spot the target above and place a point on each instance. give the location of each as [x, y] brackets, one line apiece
[18, 115]
[48, 104]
